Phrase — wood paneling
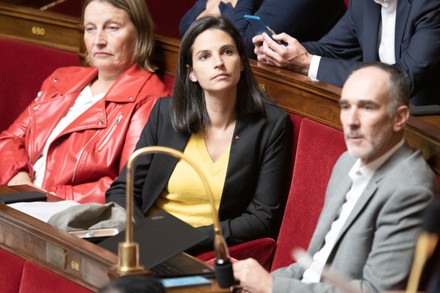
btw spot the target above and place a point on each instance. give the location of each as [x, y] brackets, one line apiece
[43, 28]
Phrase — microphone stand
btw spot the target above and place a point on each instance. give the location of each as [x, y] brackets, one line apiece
[128, 251]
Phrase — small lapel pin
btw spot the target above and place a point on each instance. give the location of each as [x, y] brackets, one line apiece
[237, 137]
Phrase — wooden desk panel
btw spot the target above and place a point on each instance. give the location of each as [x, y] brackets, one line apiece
[73, 258]
[42, 28]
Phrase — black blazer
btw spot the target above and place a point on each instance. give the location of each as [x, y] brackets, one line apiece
[354, 39]
[257, 178]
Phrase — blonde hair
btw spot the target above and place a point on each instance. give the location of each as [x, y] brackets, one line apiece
[140, 17]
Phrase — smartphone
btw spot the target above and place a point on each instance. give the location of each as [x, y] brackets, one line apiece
[257, 25]
[185, 281]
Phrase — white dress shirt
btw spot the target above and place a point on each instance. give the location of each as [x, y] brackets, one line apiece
[386, 37]
[360, 176]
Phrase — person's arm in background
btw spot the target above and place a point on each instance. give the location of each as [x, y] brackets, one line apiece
[231, 9]
[418, 56]
[202, 8]
[303, 19]
[341, 52]
[340, 43]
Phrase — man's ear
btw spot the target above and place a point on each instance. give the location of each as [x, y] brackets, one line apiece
[401, 117]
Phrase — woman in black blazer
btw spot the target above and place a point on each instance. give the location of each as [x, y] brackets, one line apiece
[216, 98]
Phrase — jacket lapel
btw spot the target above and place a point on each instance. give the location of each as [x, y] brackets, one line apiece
[372, 187]
[332, 208]
[403, 9]
[361, 203]
[371, 27]
[162, 166]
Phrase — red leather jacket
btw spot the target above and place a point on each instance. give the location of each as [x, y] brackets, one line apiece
[87, 156]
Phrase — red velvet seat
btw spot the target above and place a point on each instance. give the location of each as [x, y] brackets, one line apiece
[37, 279]
[169, 82]
[24, 68]
[166, 15]
[10, 272]
[319, 147]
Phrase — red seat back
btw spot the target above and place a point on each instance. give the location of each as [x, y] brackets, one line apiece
[37, 279]
[166, 15]
[23, 70]
[318, 148]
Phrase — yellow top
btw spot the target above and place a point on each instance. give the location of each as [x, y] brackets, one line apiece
[184, 196]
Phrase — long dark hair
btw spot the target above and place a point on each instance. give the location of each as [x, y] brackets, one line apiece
[188, 109]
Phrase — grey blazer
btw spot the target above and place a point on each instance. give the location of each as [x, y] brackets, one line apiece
[376, 245]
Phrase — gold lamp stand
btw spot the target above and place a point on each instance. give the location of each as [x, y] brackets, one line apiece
[128, 251]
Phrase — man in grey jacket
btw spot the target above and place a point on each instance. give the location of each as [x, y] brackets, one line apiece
[368, 227]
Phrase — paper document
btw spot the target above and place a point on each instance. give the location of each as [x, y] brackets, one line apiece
[43, 210]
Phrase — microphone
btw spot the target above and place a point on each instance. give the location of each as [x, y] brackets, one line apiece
[426, 244]
[128, 251]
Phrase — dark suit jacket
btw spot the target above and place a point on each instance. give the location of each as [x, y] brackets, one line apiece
[354, 39]
[306, 20]
[257, 177]
[376, 244]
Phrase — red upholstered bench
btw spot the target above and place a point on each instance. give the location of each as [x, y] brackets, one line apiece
[18, 275]
[11, 270]
[318, 148]
[24, 68]
[37, 279]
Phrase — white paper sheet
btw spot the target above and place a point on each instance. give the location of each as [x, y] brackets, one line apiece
[43, 210]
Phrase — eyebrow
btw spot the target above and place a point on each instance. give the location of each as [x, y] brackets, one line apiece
[359, 102]
[226, 46]
[368, 103]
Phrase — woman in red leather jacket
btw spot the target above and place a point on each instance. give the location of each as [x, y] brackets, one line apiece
[76, 135]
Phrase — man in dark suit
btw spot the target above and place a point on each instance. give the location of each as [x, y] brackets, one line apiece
[307, 20]
[401, 32]
[378, 189]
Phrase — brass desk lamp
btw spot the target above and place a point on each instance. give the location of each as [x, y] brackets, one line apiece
[128, 251]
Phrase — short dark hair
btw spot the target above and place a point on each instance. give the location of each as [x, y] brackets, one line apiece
[400, 89]
[134, 284]
[188, 109]
[140, 17]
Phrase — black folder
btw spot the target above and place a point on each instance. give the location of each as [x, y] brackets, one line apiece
[25, 196]
[162, 240]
